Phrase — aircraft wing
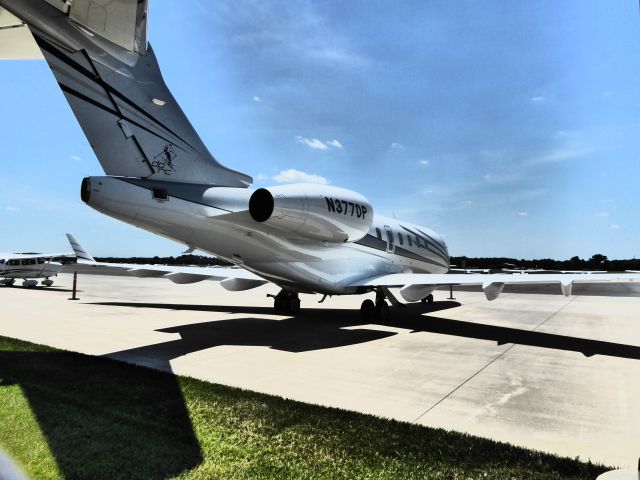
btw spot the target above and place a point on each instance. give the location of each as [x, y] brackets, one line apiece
[415, 284]
[231, 278]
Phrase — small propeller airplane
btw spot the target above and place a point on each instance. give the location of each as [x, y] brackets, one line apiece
[160, 176]
[30, 267]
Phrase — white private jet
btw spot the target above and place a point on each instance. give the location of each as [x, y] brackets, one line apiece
[29, 267]
[161, 177]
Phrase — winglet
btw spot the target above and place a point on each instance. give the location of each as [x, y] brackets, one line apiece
[81, 254]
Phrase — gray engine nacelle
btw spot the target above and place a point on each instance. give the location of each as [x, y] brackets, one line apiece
[318, 212]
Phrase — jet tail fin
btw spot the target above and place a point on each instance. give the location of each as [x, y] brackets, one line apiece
[81, 254]
[98, 53]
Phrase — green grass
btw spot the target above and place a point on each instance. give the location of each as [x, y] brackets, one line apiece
[67, 415]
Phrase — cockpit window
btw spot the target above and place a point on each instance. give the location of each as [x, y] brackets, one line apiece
[13, 263]
[1, 261]
[40, 261]
[29, 261]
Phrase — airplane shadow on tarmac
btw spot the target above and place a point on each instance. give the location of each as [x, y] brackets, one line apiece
[315, 329]
[101, 416]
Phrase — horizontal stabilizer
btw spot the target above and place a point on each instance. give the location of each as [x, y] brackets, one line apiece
[16, 41]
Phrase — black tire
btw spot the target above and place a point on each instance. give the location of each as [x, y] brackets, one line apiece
[427, 299]
[278, 304]
[384, 313]
[294, 305]
[367, 309]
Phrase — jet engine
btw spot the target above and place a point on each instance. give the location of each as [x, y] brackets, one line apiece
[318, 212]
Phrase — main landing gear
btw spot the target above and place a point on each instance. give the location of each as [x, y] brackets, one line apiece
[286, 302]
[47, 282]
[380, 309]
[428, 299]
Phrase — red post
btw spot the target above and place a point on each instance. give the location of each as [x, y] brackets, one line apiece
[451, 293]
[75, 284]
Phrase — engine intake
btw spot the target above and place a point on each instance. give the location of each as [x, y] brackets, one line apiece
[318, 212]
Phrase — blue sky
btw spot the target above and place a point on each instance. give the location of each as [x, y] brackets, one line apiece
[512, 128]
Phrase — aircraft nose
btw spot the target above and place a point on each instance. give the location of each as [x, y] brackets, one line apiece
[85, 189]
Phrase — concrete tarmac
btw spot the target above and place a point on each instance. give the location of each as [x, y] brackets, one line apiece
[547, 372]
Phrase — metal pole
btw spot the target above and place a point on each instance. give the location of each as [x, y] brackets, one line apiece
[451, 293]
[75, 284]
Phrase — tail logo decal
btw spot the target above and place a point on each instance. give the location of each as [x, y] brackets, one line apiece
[163, 162]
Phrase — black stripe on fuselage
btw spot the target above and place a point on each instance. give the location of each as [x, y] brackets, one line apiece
[94, 77]
[372, 241]
[172, 188]
[430, 242]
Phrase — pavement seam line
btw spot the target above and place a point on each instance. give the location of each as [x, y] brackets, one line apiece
[490, 363]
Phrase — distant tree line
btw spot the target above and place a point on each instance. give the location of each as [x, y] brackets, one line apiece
[182, 260]
[596, 262]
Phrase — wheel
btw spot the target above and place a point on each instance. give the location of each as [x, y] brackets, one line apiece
[294, 305]
[278, 304]
[428, 299]
[383, 311]
[47, 282]
[367, 309]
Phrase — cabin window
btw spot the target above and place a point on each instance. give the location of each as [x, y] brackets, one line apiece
[418, 242]
[378, 234]
[29, 261]
[13, 263]
[160, 194]
[390, 236]
[400, 239]
[409, 239]
[40, 261]
[1, 261]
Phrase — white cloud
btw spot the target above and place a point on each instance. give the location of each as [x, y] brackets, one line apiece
[313, 143]
[76, 158]
[538, 99]
[316, 144]
[466, 203]
[261, 177]
[561, 155]
[607, 93]
[602, 214]
[502, 178]
[615, 226]
[257, 99]
[397, 146]
[296, 176]
[423, 162]
[522, 214]
[12, 209]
